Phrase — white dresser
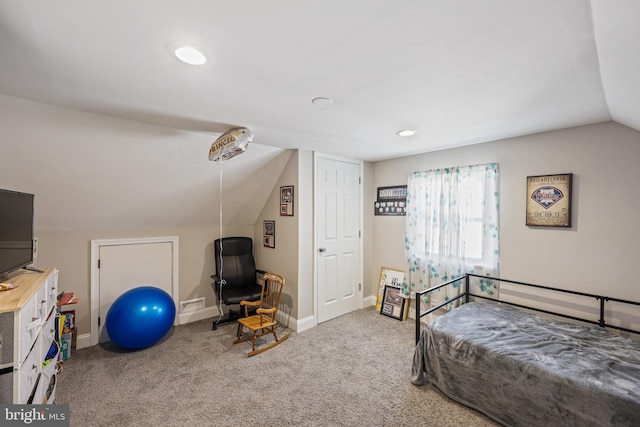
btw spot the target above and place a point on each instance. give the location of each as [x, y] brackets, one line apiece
[28, 316]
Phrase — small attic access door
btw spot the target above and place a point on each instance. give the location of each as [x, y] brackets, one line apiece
[123, 264]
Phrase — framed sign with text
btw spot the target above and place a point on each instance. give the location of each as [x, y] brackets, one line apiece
[392, 201]
[388, 277]
[549, 200]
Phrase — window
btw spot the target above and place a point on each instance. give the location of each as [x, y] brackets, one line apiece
[452, 225]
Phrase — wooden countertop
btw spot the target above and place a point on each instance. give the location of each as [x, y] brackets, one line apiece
[28, 283]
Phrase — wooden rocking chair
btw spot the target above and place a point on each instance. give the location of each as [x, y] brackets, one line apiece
[263, 322]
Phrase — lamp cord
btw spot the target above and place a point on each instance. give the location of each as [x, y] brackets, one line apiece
[221, 272]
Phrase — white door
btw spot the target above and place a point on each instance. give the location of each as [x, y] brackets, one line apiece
[122, 266]
[338, 225]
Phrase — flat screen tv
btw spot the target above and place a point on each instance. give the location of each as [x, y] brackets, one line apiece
[16, 230]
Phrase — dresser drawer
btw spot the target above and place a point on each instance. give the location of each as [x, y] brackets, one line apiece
[52, 289]
[48, 334]
[41, 300]
[28, 375]
[46, 385]
[29, 327]
[49, 395]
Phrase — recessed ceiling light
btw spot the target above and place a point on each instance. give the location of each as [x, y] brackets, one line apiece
[322, 102]
[187, 53]
[406, 132]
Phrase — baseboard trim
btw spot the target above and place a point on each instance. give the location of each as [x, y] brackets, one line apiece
[212, 312]
[83, 341]
[304, 324]
[369, 301]
[199, 314]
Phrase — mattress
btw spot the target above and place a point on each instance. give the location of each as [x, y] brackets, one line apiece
[522, 369]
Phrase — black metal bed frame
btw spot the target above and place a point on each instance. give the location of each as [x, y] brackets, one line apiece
[467, 294]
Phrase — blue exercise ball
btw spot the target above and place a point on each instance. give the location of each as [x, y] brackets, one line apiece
[140, 317]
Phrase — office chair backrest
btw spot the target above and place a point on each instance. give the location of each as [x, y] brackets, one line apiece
[238, 266]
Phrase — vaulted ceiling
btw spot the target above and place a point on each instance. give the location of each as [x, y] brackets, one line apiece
[457, 71]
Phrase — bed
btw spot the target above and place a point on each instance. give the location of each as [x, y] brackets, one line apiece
[523, 369]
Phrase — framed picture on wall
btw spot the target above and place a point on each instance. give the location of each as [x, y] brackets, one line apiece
[269, 234]
[392, 201]
[549, 200]
[286, 200]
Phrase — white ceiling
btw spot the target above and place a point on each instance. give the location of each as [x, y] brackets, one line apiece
[458, 71]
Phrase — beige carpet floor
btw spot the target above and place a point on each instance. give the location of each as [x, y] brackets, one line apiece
[351, 371]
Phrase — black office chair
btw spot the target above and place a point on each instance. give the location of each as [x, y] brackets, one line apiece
[236, 275]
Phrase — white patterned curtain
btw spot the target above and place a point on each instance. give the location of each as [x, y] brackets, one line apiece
[452, 229]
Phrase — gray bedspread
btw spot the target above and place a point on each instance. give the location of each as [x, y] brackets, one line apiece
[526, 370]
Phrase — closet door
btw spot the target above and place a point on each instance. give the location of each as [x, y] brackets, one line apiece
[338, 225]
[124, 265]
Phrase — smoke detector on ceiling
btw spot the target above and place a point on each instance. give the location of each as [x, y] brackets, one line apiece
[322, 102]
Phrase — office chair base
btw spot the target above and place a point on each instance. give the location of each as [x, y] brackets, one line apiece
[232, 317]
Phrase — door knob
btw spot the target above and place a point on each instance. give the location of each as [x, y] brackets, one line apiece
[322, 250]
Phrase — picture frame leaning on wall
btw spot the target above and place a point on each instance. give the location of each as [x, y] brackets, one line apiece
[393, 304]
[391, 277]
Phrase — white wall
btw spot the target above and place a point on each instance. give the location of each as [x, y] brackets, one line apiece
[294, 254]
[306, 307]
[598, 254]
[69, 251]
[99, 177]
[60, 155]
[283, 258]
[370, 277]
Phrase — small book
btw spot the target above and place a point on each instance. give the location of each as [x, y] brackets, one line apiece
[66, 298]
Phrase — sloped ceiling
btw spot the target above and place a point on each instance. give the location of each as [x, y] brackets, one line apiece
[618, 42]
[458, 71]
[90, 171]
